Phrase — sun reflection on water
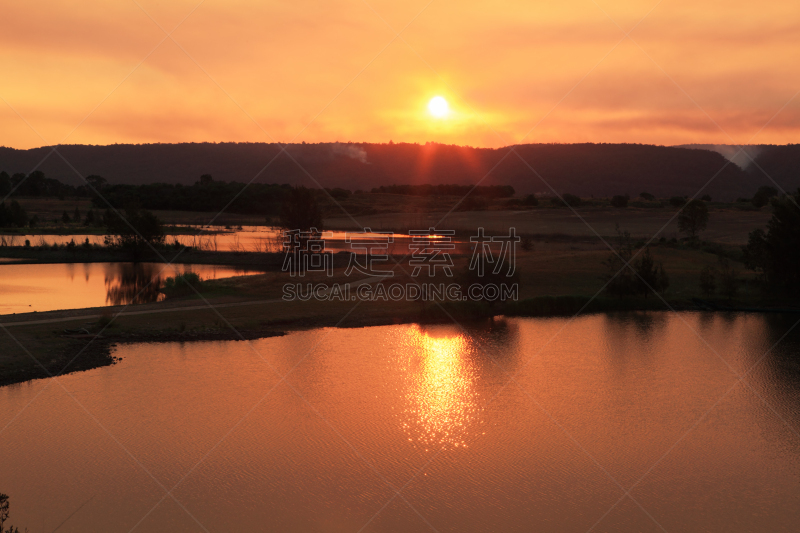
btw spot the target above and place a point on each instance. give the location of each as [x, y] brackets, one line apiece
[442, 401]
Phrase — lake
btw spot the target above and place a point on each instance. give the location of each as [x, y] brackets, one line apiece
[512, 425]
[48, 287]
[226, 239]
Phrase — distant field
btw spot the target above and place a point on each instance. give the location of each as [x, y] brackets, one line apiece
[726, 225]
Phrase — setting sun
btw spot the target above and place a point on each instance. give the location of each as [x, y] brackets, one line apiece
[438, 107]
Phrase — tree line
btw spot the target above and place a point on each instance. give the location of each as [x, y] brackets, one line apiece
[485, 191]
[38, 185]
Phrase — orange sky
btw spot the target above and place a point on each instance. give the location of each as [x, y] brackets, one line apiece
[695, 71]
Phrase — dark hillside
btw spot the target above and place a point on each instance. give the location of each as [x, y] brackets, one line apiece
[583, 169]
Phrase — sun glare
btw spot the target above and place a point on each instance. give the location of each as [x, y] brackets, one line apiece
[438, 107]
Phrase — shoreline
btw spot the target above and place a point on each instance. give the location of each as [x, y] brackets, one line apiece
[22, 255]
[90, 349]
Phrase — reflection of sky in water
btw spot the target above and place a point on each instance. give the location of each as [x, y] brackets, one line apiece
[48, 287]
[628, 395]
[247, 239]
[442, 401]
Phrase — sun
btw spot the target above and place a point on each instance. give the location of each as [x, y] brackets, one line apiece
[438, 107]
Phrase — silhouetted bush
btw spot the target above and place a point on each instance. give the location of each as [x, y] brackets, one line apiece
[487, 191]
[693, 219]
[13, 215]
[763, 195]
[626, 277]
[338, 193]
[620, 200]
[677, 201]
[775, 254]
[708, 280]
[135, 230]
[300, 210]
[530, 200]
[4, 514]
[567, 199]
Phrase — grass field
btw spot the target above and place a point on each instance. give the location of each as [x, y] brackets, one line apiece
[728, 223]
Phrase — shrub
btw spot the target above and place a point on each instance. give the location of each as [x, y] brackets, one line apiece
[185, 283]
[473, 203]
[13, 215]
[530, 200]
[620, 200]
[4, 513]
[708, 280]
[300, 210]
[763, 195]
[567, 199]
[526, 243]
[647, 196]
[625, 278]
[775, 254]
[729, 281]
[693, 219]
[677, 201]
[339, 194]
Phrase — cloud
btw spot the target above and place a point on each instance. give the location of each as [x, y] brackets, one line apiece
[247, 70]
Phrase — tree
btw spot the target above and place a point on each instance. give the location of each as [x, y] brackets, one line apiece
[77, 216]
[89, 221]
[300, 210]
[5, 184]
[136, 230]
[649, 275]
[619, 279]
[626, 277]
[97, 183]
[206, 179]
[530, 200]
[620, 200]
[775, 254]
[677, 201]
[729, 282]
[708, 280]
[338, 193]
[567, 199]
[65, 218]
[693, 219]
[13, 215]
[647, 196]
[763, 195]
[4, 513]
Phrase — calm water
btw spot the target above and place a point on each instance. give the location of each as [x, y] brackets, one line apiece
[219, 238]
[595, 404]
[28, 288]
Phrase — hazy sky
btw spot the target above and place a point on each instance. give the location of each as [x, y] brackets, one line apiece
[692, 71]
